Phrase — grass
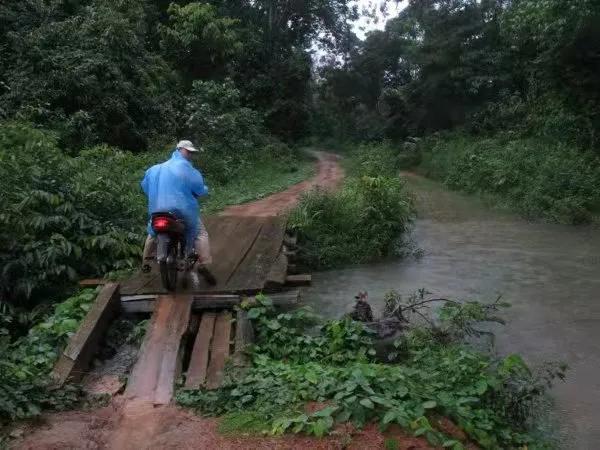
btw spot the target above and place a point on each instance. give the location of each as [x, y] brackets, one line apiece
[537, 178]
[263, 178]
[362, 222]
[245, 422]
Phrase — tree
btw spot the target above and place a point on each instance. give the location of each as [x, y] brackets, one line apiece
[91, 77]
[198, 41]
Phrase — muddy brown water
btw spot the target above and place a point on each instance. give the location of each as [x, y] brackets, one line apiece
[549, 273]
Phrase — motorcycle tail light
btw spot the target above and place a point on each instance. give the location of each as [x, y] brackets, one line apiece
[161, 224]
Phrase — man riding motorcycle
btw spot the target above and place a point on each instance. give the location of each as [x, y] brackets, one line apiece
[175, 186]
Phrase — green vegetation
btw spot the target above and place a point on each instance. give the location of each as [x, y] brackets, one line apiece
[85, 82]
[265, 177]
[493, 96]
[363, 221]
[540, 178]
[26, 363]
[65, 217]
[433, 373]
[517, 77]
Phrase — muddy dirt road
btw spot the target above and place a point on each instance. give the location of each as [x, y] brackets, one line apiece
[329, 175]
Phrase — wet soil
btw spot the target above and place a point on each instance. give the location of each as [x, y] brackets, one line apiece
[169, 427]
[329, 176]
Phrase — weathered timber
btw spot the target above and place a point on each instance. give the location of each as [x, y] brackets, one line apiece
[236, 248]
[75, 359]
[146, 303]
[298, 280]
[290, 242]
[154, 374]
[196, 373]
[291, 254]
[219, 350]
[278, 272]
[243, 249]
[244, 336]
[92, 282]
[252, 272]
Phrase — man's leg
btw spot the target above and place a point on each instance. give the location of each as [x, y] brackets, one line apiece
[149, 253]
[202, 247]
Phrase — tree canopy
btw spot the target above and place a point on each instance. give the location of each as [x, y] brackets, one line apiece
[442, 64]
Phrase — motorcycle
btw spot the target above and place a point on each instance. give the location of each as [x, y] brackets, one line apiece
[171, 253]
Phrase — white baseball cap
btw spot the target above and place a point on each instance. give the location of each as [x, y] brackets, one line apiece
[188, 146]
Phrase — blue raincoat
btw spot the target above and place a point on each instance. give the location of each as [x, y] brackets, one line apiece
[175, 186]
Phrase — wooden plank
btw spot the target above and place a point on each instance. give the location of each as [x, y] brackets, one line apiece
[298, 280]
[238, 247]
[278, 272]
[196, 374]
[136, 284]
[219, 350]
[244, 336]
[230, 238]
[154, 374]
[91, 282]
[170, 366]
[290, 242]
[253, 270]
[284, 299]
[243, 249]
[82, 346]
[197, 297]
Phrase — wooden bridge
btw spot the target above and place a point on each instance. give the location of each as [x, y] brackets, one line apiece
[197, 329]
[244, 249]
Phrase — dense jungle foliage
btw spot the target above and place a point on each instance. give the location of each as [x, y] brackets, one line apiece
[94, 92]
[490, 96]
[516, 81]
[82, 82]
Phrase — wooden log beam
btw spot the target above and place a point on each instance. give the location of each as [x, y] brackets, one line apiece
[92, 282]
[219, 351]
[196, 373]
[244, 336]
[146, 303]
[75, 359]
[298, 280]
[278, 272]
[154, 374]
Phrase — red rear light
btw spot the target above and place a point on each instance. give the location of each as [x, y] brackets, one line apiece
[161, 224]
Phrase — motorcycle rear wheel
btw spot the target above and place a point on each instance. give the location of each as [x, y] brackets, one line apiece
[168, 269]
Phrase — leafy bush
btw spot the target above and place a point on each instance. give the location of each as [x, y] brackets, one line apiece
[197, 38]
[233, 135]
[373, 160]
[64, 217]
[335, 367]
[540, 178]
[89, 74]
[25, 365]
[360, 223]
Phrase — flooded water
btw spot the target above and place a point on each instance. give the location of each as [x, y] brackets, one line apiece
[549, 273]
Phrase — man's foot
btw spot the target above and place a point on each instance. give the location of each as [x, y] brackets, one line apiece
[146, 268]
[207, 275]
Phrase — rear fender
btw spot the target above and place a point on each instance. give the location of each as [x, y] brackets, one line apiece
[162, 247]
